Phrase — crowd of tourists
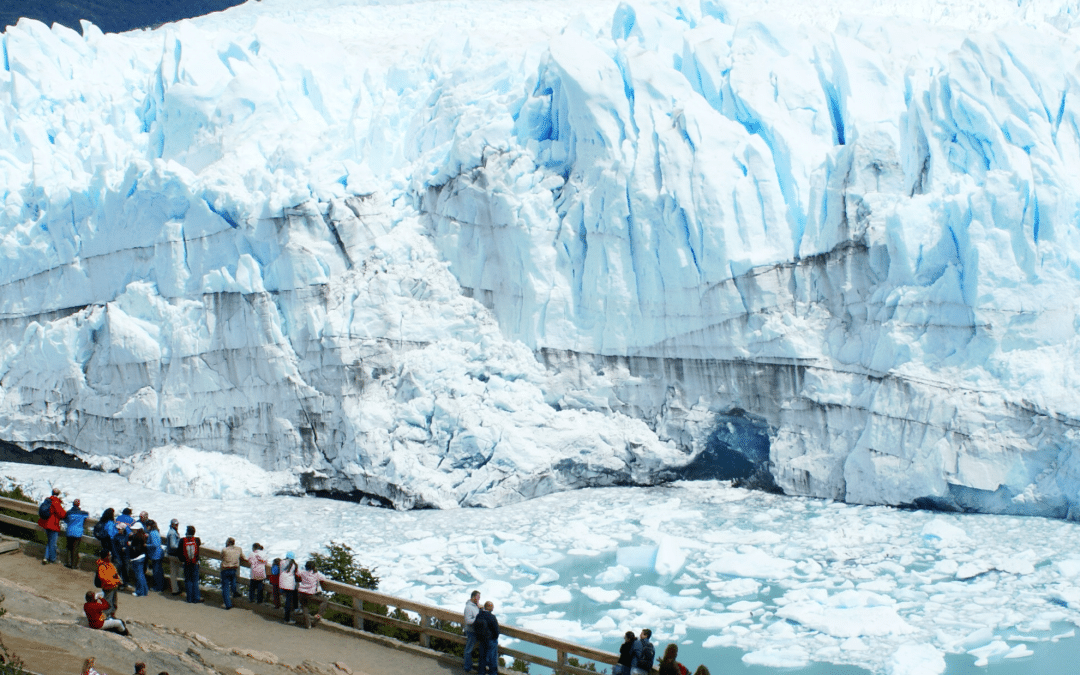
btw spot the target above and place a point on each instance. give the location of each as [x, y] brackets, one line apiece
[132, 556]
[131, 550]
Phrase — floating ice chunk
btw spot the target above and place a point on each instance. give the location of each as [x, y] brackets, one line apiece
[845, 614]
[715, 620]
[1019, 651]
[853, 644]
[753, 563]
[613, 575]
[564, 629]
[600, 595]
[941, 533]
[189, 472]
[995, 650]
[777, 657]
[1068, 568]
[736, 588]
[718, 641]
[661, 598]
[670, 558]
[637, 557]
[917, 659]
[973, 569]
[946, 567]
[553, 595]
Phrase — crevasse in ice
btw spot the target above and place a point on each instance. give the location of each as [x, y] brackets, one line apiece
[459, 254]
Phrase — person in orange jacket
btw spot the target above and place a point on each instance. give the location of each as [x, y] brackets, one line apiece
[110, 581]
[51, 525]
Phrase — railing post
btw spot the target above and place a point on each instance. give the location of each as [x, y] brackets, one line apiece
[358, 605]
[561, 658]
[425, 639]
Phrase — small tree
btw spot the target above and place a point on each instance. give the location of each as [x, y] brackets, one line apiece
[340, 564]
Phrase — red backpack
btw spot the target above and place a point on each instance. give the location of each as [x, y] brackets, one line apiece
[189, 549]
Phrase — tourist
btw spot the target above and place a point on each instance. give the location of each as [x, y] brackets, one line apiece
[172, 547]
[487, 632]
[643, 654]
[75, 521]
[472, 608]
[144, 518]
[668, 664]
[230, 568]
[88, 667]
[287, 584]
[96, 608]
[120, 550]
[106, 528]
[189, 554]
[309, 588]
[138, 559]
[275, 575]
[54, 512]
[156, 554]
[258, 574]
[626, 653]
[109, 580]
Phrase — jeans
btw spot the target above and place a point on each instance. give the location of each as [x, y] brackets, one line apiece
[292, 598]
[470, 644]
[50, 544]
[73, 551]
[110, 597]
[228, 585]
[489, 658]
[119, 556]
[139, 567]
[255, 591]
[191, 582]
[159, 575]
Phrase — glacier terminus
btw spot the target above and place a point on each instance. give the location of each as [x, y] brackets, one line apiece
[536, 246]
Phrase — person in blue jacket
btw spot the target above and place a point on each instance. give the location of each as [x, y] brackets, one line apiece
[75, 519]
[155, 553]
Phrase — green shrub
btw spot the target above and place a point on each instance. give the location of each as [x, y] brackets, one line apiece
[340, 564]
[584, 665]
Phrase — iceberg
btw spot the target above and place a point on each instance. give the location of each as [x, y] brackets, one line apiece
[829, 251]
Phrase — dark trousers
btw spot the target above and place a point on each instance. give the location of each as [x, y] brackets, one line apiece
[255, 591]
[73, 551]
[292, 601]
[191, 582]
[228, 585]
[159, 574]
[489, 658]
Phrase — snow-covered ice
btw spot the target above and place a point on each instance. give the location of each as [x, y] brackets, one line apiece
[468, 253]
[876, 595]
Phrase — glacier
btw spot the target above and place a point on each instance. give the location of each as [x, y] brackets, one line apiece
[448, 254]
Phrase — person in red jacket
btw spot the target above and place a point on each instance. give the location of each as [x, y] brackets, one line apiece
[95, 609]
[51, 525]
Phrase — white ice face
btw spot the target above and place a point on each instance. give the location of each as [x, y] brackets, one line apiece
[472, 253]
[788, 581]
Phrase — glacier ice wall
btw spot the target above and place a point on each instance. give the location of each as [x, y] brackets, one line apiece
[449, 259]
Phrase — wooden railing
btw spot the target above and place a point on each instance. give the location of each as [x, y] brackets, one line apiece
[430, 617]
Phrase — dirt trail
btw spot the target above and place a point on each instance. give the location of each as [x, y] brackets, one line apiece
[45, 626]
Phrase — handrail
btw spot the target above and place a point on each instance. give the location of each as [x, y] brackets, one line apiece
[427, 612]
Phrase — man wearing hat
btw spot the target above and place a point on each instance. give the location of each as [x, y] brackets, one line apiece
[75, 520]
[189, 553]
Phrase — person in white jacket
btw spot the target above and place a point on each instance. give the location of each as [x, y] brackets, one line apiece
[472, 608]
[287, 584]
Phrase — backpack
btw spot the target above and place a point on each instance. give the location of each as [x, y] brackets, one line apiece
[99, 530]
[190, 548]
[682, 669]
[45, 509]
[648, 653]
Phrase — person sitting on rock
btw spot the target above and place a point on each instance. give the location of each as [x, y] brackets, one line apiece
[95, 608]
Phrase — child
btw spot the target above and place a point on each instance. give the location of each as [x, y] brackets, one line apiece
[275, 574]
[258, 574]
[310, 589]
